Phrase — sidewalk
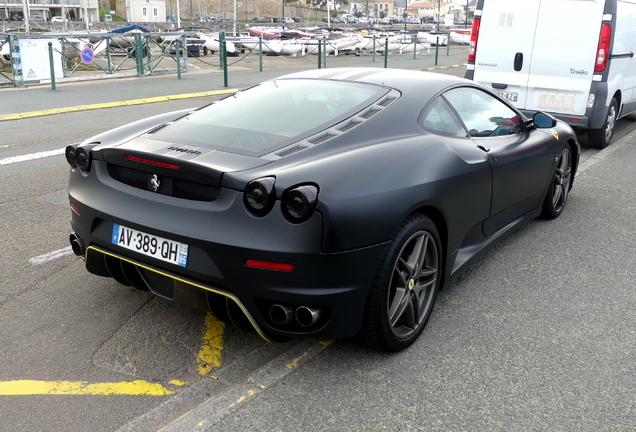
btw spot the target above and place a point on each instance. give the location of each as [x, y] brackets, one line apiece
[242, 74]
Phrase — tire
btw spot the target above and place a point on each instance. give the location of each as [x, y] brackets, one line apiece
[404, 290]
[560, 185]
[601, 138]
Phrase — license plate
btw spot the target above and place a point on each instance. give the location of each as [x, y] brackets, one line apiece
[508, 96]
[150, 245]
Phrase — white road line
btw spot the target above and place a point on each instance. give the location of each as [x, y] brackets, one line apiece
[32, 156]
[38, 260]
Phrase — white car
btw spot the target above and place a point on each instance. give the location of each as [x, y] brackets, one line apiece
[58, 19]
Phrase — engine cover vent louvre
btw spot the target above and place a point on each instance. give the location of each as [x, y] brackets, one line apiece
[370, 113]
[349, 126]
[291, 150]
[322, 138]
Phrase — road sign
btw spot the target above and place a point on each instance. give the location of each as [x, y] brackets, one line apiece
[87, 55]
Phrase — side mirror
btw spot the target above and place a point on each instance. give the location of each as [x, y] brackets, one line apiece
[543, 120]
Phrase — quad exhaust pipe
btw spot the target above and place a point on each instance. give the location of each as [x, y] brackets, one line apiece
[77, 244]
[281, 314]
[304, 315]
[307, 316]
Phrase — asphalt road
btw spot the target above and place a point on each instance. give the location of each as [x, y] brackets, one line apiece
[539, 335]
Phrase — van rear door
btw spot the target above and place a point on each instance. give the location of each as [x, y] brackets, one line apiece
[563, 57]
[542, 50]
[507, 28]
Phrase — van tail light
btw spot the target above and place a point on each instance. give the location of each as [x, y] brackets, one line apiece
[472, 48]
[602, 53]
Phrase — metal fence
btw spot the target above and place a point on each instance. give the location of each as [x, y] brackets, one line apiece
[37, 59]
[89, 56]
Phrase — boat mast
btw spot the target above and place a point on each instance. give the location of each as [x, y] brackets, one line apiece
[25, 12]
[234, 23]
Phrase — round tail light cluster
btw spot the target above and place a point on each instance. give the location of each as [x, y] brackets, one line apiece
[78, 155]
[260, 196]
[298, 203]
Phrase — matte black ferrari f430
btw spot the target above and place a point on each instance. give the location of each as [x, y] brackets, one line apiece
[323, 204]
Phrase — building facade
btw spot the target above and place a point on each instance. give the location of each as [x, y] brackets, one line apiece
[44, 10]
[141, 11]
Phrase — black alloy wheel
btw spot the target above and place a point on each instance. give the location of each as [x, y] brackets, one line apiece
[405, 287]
[557, 195]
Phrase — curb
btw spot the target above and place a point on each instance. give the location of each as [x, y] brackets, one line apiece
[115, 104]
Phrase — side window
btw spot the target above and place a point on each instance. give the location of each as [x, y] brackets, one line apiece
[482, 114]
[440, 118]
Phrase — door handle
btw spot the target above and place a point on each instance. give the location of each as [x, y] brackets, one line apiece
[518, 61]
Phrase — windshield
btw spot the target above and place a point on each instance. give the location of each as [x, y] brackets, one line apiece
[272, 115]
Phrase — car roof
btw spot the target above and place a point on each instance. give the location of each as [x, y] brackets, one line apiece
[425, 84]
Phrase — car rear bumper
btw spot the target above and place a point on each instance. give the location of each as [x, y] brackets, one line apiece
[221, 236]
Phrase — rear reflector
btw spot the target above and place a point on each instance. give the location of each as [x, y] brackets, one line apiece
[602, 53]
[269, 265]
[152, 162]
[75, 209]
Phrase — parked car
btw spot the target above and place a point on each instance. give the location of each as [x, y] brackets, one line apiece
[297, 19]
[260, 20]
[62, 19]
[519, 54]
[325, 203]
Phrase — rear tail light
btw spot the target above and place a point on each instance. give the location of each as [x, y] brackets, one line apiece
[300, 202]
[71, 155]
[474, 34]
[79, 155]
[259, 196]
[602, 53]
[83, 157]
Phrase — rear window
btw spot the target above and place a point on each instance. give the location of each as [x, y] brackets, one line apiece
[272, 115]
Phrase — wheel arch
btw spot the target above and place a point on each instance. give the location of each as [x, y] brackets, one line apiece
[577, 154]
[618, 95]
[442, 228]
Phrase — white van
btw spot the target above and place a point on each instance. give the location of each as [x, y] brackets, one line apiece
[571, 58]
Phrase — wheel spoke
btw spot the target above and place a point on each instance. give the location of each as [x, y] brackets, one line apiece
[558, 192]
[399, 305]
[417, 255]
[412, 313]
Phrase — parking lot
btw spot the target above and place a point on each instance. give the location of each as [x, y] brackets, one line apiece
[538, 335]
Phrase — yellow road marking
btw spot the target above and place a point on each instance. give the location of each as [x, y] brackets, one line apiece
[31, 387]
[114, 104]
[211, 346]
